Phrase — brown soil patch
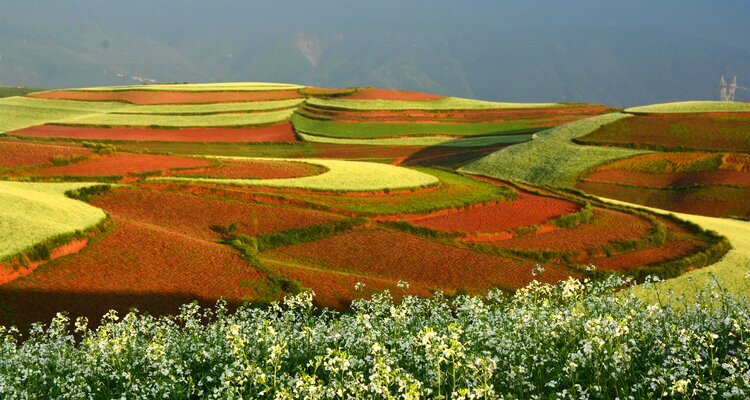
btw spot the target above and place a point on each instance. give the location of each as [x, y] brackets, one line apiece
[671, 180]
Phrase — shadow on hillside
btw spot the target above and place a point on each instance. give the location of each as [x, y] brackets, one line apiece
[449, 157]
[22, 308]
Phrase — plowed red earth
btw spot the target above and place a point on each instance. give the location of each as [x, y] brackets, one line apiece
[167, 97]
[396, 255]
[491, 115]
[270, 133]
[672, 250]
[135, 265]
[671, 180]
[336, 289]
[608, 226]
[121, 164]
[390, 94]
[527, 209]
[193, 215]
[255, 169]
[18, 154]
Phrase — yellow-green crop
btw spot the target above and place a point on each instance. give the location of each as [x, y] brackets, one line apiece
[32, 213]
[21, 112]
[182, 121]
[343, 176]
[446, 103]
[441, 141]
[692, 107]
[215, 108]
[201, 87]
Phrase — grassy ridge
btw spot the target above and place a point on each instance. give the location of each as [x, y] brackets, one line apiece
[182, 121]
[375, 130]
[36, 212]
[551, 158]
[10, 91]
[199, 87]
[436, 141]
[347, 176]
[446, 103]
[692, 107]
[217, 108]
[22, 112]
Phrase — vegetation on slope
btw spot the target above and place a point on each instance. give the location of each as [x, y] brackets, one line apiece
[446, 103]
[180, 121]
[440, 141]
[692, 107]
[213, 108]
[22, 112]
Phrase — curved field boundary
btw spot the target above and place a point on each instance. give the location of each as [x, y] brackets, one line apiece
[732, 270]
[275, 133]
[440, 141]
[22, 112]
[343, 176]
[198, 87]
[551, 158]
[691, 107]
[207, 109]
[390, 94]
[446, 103]
[182, 121]
[152, 97]
[253, 170]
[32, 213]
[354, 130]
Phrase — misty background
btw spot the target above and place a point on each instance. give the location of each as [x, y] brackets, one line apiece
[620, 53]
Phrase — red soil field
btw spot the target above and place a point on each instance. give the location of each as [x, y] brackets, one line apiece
[270, 133]
[255, 169]
[713, 201]
[390, 94]
[608, 226]
[672, 250]
[11, 272]
[121, 164]
[491, 115]
[193, 215]
[136, 264]
[14, 153]
[692, 131]
[671, 180]
[527, 209]
[167, 97]
[396, 255]
[336, 289]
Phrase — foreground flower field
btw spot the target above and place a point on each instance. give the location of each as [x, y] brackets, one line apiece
[569, 340]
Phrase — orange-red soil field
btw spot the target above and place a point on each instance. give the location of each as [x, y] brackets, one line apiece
[527, 209]
[134, 265]
[673, 249]
[167, 97]
[607, 226]
[254, 170]
[688, 131]
[390, 94]
[261, 134]
[670, 180]
[15, 154]
[121, 164]
[397, 255]
[193, 215]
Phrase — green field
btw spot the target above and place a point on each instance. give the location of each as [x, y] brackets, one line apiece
[551, 158]
[216, 108]
[446, 103]
[692, 107]
[32, 213]
[342, 176]
[423, 141]
[22, 112]
[352, 130]
[182, 121]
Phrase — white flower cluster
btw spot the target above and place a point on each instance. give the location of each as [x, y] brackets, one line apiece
[571, 340]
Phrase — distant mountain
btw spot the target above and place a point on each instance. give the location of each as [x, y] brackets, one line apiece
[634, 53]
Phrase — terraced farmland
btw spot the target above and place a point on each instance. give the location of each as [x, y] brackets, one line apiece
[251, 191]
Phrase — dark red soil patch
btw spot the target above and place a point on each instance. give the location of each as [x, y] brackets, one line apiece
[254, 170]
[121, 164]
[9, 273]
[608, 226]
[14, 153]
[167, 97]
[527, 209]
[193, 215]
[395, 255]
[391, 94]
[671, 180]
[672, 250]
[270, 133]
[136, 264]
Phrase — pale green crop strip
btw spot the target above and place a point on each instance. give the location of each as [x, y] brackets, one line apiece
[200, 87]
[692, 107]
[183, 121]
[32, 213]
[551, 158]
[344, 176]
[446, 103]
[438, 141]
[22, 112]
[214, 108]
